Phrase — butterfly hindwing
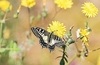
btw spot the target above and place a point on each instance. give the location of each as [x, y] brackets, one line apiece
[47, 40]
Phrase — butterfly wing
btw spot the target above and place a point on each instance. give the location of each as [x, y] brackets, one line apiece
[48, 40]
[55, 41]
[42, 35]
[35, 32]
[58, 41]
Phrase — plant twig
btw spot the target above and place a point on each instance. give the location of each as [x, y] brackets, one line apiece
[72, 59]
[56, 14]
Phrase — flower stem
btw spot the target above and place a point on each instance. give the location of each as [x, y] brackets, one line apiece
[29, 35]
[1, 33]
[56, 13]
[1, 28]
[71, 59]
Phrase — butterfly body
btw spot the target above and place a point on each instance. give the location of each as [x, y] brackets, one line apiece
[47, 40]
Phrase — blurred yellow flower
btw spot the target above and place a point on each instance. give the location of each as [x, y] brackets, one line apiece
[4, 5]
[83, 35]
[44, 2]
[89, 9]
[58, 28]
[64, 3]
[98, 62]
[28, 3]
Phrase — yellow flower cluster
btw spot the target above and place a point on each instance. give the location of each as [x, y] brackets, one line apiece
[64, 3]
[58, 28]
[89, 9]
[4, 5]
[28, 3]
[83, 35]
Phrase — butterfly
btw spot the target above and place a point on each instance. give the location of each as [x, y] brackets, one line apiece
[47, 39]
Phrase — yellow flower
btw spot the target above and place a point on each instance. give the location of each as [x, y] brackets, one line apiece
[83, 35]
[85, 40]
[58, 28]
[28, 3]
[89, 9]
[64, 3]
[4, 5]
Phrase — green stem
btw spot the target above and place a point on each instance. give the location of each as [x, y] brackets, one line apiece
[1, 32]
[1, 26]
[1, 29]
[29, 35]
[71, 59]
[56, 14]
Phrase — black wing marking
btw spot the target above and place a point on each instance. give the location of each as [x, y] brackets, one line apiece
[47, 40]
[43, 44]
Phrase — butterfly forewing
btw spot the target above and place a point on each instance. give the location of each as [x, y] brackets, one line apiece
[39, 32]
[35, 32]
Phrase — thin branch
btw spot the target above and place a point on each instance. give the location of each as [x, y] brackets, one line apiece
[72, 59]
[56, 14]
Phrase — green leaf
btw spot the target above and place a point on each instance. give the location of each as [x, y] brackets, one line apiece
[2, 21]
[31, 19]
[86, 24]
[69, 33]
[70, 41]
[44, 13]
[66, 55]
[39, 16]
[6, 52]
[43, 8]
[67, 44]
[2, 50]
[66, 59]
[13, 46]
[11, 53]
[58, 57]
[62, 62]
[89, 29]
[1, 13]
[8, 9]
[15, 15]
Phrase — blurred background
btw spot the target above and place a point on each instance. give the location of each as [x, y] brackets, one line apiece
[17, 29]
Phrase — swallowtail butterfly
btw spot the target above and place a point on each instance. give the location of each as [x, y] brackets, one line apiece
[46, 39]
